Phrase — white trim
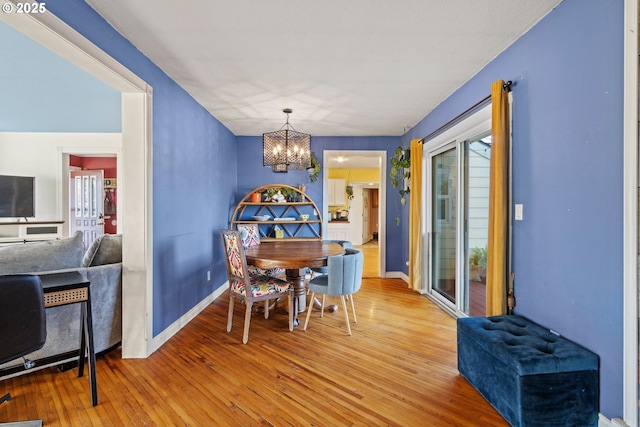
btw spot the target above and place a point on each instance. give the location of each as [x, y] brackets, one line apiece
[397, 275]
[164, 336]
[630, 228]
[54, 34]
[606, 422]
[382, 212]
[470, 127]
[134, 170]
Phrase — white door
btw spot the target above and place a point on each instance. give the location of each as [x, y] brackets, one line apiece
[85, 198]
[365, 215]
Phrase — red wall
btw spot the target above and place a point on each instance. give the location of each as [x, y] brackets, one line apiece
[108, 165]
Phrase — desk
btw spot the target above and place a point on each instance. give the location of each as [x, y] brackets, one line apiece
[294, 257]
[70, 288]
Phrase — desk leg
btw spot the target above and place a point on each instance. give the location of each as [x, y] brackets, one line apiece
[86, 337]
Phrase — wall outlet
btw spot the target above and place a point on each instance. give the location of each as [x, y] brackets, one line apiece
[208, 275]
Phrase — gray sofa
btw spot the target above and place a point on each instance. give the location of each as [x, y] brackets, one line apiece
[101, 264]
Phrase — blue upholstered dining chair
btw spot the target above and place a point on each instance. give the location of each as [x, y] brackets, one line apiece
[343, 279]
[250, 235]
[249, 288]
[323, 270]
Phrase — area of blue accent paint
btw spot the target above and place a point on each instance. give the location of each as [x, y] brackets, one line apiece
[567, 161]
[194, 176]
[568, 174]
[42, 92]
[251, 160]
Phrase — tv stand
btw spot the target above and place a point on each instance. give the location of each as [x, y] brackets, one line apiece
[22, 232]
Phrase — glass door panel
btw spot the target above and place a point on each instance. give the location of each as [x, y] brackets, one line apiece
[444, 219]
[477, 163]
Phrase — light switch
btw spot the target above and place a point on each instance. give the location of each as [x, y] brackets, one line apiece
[518, 212]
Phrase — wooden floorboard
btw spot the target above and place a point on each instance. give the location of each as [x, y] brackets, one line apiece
[397, 369]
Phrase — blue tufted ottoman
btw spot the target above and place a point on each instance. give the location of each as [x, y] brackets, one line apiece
[531, 376]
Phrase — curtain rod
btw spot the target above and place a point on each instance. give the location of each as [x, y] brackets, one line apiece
[478, 105]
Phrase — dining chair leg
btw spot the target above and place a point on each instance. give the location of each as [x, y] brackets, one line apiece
[266, 309]
[322, 306]
[353, 309]
[247, 321]
[291, 310]
[346, 315]
[230, 315]
[306, 321]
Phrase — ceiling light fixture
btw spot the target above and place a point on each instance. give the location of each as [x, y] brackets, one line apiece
[286, 148]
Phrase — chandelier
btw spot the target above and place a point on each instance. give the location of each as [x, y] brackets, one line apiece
[286, 148]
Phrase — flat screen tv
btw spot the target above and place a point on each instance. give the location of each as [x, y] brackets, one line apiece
[17, 195]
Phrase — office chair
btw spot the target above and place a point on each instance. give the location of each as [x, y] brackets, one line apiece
[23, 327]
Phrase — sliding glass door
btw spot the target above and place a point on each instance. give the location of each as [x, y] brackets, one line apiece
[444, 223]
[457, 223]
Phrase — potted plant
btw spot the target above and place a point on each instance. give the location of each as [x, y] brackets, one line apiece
[270, 192]
[314, 170]
[478, 265]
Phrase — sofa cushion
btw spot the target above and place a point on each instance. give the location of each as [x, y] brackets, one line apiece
[106, 249]
[42, 256]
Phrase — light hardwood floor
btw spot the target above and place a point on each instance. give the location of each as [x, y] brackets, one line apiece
[371, 254]
[398, 369]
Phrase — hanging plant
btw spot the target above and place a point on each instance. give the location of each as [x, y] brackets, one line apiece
[349, 187]
[314, 170]
[400, 164]
[400, 172]
[349, 190]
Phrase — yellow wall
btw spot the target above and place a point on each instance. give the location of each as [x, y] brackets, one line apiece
[356, 175]
[353, 175]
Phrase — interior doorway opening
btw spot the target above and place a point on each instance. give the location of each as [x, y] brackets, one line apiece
[134, 172]
[351, 166]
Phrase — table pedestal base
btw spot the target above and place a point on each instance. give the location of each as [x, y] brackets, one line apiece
[296, 277]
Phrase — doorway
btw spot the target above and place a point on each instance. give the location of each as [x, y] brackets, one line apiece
[134, 172]
[351, 164]
[456, 204]
[86, 210]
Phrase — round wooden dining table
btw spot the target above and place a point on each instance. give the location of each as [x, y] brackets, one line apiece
[295, 256]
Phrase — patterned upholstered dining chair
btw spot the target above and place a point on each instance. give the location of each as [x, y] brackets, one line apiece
[343, 279]
[250, 234]
[249, 288]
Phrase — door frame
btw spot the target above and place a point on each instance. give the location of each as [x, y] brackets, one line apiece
[382, 195]
[134, 171]
[474, 125]
[631, 346]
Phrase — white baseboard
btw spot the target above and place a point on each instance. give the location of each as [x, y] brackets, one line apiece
[397, 275]
[166, 335]
[606, 422]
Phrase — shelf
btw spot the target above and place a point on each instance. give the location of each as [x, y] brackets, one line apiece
[13, 232]
[276, 204]
[296, 228]
[271, 221]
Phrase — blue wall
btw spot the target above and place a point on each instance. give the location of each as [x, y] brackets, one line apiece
[567, 172]
[42, 92]
[194, 158]
[567, 162]
[250, 153]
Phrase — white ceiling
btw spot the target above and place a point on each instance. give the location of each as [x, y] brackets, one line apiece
[345, 67]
